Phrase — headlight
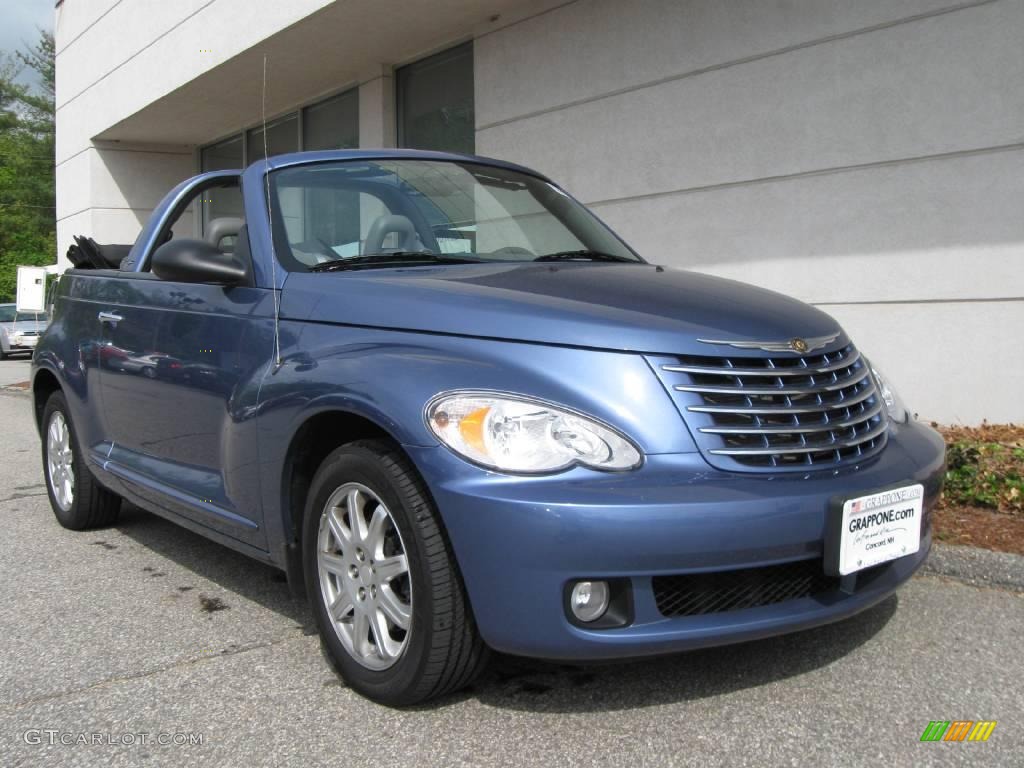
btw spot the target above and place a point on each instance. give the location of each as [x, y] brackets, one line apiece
[515, 434]
[893, 403]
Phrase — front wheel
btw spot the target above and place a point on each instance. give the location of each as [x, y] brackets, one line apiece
[393, 616]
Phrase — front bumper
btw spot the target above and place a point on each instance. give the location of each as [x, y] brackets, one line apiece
[519, 541]
[23, 343]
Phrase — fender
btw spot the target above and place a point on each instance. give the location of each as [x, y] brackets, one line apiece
[387, 377]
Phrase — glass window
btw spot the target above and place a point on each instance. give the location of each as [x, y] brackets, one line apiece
[224, 156]
[435, 209]
[435, 102]
[7, 314]
[282, 137]
[221, 230]
[322, 224]
[332, 124]
[220, 202]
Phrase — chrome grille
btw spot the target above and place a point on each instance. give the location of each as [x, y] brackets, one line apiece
[780, 412]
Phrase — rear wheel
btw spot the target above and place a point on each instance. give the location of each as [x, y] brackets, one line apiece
[388, 600]
[78, 501]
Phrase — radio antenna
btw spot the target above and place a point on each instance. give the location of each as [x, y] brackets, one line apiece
[270, 223]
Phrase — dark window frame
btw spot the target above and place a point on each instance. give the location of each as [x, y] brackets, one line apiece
[401, 75]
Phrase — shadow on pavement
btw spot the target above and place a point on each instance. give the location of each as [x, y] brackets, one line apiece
[233, 571]
[534, 686]
[523, 684]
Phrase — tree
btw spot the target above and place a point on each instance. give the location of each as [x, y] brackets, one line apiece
[27, 197]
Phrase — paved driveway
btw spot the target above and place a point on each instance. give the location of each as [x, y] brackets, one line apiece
[14, 370]
[146, 629]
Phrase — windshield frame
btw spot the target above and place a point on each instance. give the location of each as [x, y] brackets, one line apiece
[476, 167]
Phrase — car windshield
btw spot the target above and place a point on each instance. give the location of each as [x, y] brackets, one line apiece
[361, 214]
[9, 314]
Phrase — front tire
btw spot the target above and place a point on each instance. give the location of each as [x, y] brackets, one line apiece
[78, 501]
[393, 616]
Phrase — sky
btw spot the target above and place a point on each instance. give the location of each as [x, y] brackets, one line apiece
[19, 20]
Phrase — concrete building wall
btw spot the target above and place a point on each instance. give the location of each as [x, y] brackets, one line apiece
[108, 191]
[113, 59]
[186, 73]
[866, 157]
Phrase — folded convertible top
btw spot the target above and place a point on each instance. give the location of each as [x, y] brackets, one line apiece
[86, 253]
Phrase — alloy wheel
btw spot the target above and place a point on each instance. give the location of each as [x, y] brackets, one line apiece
[364, 576]
[60, 461]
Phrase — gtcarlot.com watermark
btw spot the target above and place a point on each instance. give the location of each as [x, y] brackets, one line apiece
[55, 737]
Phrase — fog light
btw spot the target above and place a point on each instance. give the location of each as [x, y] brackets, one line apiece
[589, 600]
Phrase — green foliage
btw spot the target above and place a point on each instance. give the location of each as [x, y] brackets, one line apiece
[27, 199]
[984, 474]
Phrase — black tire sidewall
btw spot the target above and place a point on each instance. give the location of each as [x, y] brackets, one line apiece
[358, 464]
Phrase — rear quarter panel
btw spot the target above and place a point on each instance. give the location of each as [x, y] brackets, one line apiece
[69, 349]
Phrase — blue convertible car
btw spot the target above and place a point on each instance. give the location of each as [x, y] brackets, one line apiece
[461, 414]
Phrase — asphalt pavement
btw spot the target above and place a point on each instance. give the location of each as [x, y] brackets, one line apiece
[14, 370]
[116, 640]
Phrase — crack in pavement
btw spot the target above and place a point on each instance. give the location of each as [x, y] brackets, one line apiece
[109, 681]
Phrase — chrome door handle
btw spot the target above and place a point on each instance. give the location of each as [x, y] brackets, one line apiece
[109, 317]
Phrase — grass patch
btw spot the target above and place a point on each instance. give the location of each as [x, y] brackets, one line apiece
[985, 472]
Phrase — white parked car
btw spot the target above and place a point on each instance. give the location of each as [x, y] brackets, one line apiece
[19, 331]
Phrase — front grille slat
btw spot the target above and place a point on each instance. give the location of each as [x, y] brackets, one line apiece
[770, 370]
[874, 410]
[779, 411]
[766, 409]
[874, 432]
[746, 390]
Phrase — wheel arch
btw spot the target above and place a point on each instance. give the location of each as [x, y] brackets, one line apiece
[44, 384]
[310, 444]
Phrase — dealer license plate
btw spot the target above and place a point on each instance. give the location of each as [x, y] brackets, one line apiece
[878, 528]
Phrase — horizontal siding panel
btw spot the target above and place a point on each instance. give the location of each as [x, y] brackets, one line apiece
[943, 84]
[949, 362]
[938, 229]
[593, 47]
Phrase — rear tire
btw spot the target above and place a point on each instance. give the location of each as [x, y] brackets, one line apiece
[441, 649]
[78, 501]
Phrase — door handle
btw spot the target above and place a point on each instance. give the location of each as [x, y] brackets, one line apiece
[109, 317]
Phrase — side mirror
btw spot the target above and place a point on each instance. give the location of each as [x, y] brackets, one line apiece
[196, 261]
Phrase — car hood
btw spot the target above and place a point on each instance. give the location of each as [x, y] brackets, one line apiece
[636, 307]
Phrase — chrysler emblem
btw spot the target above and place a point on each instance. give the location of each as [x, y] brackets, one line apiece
[798, 345]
